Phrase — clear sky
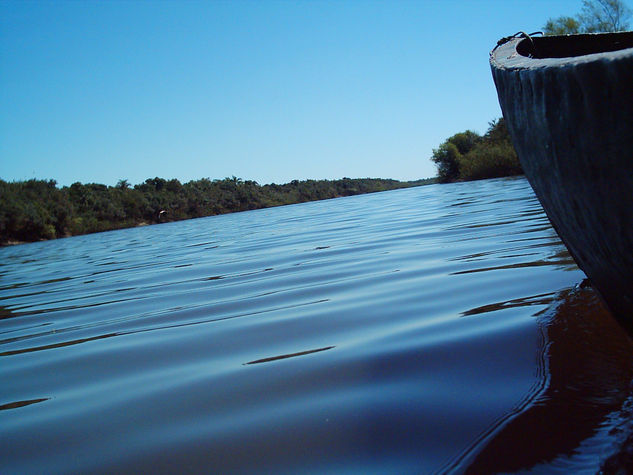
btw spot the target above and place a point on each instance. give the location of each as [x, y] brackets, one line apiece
[269, 91]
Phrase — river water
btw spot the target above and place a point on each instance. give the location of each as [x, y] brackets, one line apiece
[425, 330]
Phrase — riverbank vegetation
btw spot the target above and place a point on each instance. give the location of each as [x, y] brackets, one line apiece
[470, 156]
[38, 209]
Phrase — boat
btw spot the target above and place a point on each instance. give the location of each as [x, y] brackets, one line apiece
[568, 105]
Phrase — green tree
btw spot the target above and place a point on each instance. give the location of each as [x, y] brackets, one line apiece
[448, 155]
[595, 16]
[468, 156]
[604, 15]
[564, 25]
[446, 158]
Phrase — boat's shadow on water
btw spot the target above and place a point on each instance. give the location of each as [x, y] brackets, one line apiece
[581, 419]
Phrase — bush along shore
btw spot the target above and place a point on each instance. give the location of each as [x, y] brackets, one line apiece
[469, 156]
[35, 210]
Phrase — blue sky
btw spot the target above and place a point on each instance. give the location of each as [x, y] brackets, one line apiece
[268, 91]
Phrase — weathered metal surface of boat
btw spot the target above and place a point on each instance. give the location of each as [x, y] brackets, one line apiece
[568, 105]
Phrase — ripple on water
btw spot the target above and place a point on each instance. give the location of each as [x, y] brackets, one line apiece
[417, 330]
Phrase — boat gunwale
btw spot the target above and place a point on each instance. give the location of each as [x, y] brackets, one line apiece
[507, 56]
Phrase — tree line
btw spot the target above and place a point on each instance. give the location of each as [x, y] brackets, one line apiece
[35, 210]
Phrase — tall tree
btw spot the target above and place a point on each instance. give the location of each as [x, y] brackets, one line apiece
[595, 16]
[604, 15]
[448, 155]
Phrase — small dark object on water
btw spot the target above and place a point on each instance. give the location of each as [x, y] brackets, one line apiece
[568, 105]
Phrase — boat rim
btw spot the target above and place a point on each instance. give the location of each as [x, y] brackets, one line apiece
[561, 50]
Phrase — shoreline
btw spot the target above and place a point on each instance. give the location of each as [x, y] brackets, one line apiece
[88, 209]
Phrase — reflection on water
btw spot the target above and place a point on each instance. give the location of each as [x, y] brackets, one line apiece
[577, 417]
[414, 331]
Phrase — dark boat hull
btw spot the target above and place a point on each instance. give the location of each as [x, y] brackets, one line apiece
[571, 122]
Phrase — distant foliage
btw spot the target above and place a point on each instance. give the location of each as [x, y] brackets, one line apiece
[449, 155]
[596, 16]
[604, 16]
[446, 158]
[469, 156]
[37, 209]
[564, 25]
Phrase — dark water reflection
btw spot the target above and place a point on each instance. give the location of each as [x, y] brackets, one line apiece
[581, 414]
[424, 330]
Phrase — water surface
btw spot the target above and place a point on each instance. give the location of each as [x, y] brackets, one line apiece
[423, 330]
